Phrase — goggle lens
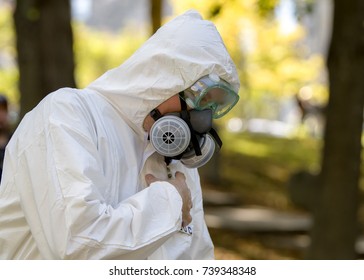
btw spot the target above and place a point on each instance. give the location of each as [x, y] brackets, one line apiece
[215, 94]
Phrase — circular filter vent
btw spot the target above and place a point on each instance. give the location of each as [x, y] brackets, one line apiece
[207, 150]
[170, 136]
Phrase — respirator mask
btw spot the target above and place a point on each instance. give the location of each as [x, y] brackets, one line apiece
[188, 136]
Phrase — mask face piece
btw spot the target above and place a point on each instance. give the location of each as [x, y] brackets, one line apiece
[187, 140]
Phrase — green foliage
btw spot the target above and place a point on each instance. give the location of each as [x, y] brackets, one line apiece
[8, 68]
[95, 53]
[257, 167]
[292, 154]
[266, 7]
[98, 51]
[272, 64]
[6, 30]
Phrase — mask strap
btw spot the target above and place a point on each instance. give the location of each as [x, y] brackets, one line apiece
[216, 137]
[155, 114]
[186, 117]
[182, 101]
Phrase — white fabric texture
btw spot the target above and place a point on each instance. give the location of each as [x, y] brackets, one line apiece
[73, 183]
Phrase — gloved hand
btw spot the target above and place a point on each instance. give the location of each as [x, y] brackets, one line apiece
[179, 182]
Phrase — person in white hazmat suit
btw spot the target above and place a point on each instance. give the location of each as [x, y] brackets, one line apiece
[87, 175]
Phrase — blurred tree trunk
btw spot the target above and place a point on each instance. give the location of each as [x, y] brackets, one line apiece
[45, 49]
[156, 14]
[335, 220]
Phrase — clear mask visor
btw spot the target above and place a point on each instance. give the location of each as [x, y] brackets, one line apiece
[211, 92]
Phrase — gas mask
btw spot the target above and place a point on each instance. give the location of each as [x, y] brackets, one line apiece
[187, 136]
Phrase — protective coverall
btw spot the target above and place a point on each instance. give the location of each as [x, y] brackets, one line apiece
[73, 185]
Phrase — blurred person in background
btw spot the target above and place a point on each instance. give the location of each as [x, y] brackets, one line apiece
[110, 171]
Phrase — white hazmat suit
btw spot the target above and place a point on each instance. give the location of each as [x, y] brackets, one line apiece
[73, 185]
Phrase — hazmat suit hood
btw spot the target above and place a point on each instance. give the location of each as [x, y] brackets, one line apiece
[178, 54]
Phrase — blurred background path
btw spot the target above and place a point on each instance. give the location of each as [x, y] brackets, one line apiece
[280, 230]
